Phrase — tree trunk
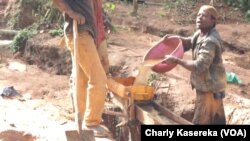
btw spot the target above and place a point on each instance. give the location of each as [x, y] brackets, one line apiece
[135, 7]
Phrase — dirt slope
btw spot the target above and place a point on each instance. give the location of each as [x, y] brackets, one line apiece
[44, 110]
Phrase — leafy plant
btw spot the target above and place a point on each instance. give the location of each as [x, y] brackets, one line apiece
[52, 14]
[56, 32]
[155, 79]
[244, 5]
[40, 11]
[22, 36]
[109, 6]
[178, 4]
[152, 79]
[247, 16]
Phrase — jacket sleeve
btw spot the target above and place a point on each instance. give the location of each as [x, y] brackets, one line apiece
[205, 57]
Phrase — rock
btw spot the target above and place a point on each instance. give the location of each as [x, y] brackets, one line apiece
[8, 91]
[17, 66]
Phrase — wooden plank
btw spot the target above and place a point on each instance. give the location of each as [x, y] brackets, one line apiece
[120, 114]
[144, 117]
[171, 115]
[149, 116]
[152, 113]
[117, 88]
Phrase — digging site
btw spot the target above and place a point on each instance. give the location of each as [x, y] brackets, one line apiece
[35, 68]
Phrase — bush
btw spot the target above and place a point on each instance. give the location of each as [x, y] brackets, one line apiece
[23, 13]
[21, 38]
[244, 5]
[56, 32]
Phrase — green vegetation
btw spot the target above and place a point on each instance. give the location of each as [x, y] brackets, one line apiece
[44, 12]
[56, 32]
[109, 6]
[39, 11]
[13, 20]
[21, 38]
[156, 79]
[52, 14]
[152, 78]
[247, 16]
[179, 4]
[244, 6]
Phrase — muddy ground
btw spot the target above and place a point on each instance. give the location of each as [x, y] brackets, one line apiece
[44, 109]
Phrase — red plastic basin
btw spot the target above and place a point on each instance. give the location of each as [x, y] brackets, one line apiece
[167, 46]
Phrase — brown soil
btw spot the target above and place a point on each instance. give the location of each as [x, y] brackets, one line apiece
[45, 108]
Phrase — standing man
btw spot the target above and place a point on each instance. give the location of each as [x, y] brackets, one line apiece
[208, 74]
[91, 89]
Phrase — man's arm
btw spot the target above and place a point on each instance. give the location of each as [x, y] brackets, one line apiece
[188, 64]
[65, 8]
[186, 42]
[205, 58]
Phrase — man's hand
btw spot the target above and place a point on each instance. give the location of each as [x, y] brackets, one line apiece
[64, 7]
[169, 59]
[168, 35]
[78, 17]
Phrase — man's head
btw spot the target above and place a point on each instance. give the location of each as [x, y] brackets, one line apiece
[206, 17]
